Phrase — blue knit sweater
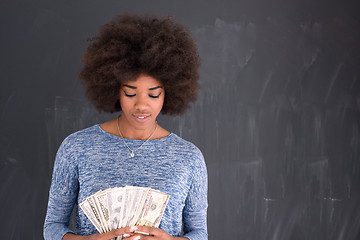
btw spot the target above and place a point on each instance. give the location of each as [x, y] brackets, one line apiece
[92, 159]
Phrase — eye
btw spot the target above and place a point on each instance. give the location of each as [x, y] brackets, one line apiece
[155, 96]
[129, 95]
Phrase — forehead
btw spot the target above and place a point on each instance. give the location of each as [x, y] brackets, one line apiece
[143, 80]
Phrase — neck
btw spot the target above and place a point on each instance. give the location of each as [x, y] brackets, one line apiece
[126, 130]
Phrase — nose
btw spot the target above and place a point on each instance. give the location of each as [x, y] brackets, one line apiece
[141, 102]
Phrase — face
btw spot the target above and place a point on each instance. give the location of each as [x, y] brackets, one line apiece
[141, 101]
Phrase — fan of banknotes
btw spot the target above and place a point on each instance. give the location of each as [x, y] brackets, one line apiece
[121, 207]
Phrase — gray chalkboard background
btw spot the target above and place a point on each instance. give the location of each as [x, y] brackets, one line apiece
[278, 117]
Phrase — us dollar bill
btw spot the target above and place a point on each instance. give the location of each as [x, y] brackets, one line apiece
[115, 203]
[85, 206]
[152, 209]
[139, 197]
[94, 210]
[121, 207]
[101, 202]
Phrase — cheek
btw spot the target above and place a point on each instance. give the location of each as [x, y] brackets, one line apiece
[124, 102]
[161, 103]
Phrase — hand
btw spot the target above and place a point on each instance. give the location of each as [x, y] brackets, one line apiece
[154, 234]
[128, 231]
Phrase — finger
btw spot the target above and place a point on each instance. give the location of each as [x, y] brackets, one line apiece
[135, 237]
[149, 230]
[143, 233]
[118, 232]
[141, 237]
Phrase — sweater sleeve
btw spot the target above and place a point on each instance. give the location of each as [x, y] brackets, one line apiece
[62, 195]
[195, 210]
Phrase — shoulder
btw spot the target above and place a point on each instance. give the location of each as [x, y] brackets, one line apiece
[184, 147]
[176, 141]
[80, 138]
[75, 145]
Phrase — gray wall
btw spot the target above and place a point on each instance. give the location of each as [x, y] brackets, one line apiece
[278, 117]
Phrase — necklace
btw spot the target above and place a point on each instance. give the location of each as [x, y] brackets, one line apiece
[132, 154]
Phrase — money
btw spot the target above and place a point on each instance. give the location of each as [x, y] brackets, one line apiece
[152, 209]
[85, 206]
[102, 206]
[115, 203]
[122, 207]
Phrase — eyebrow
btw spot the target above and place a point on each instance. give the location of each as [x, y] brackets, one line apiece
[133, 87]
[129, 86]
[153, 88]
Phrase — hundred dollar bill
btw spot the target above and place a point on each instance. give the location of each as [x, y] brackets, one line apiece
[103, 209]
[153, 209]
[115, 203]
[130, 204]
[138, 200]
[122, 207]
[85, 206]
[95, 211]
[125, 207]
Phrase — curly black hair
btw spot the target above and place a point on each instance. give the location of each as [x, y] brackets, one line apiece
[131, 45]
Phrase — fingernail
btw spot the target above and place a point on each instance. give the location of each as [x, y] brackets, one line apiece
[126, 235]
[138, 237]
[133, 228]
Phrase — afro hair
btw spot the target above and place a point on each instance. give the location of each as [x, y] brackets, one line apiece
[131, 45]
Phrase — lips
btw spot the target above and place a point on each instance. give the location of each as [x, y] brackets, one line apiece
[141, 117]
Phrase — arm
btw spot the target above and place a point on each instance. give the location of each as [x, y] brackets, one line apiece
[62, 195]
[195, 210]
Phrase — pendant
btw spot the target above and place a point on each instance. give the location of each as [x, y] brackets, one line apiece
[132, 154]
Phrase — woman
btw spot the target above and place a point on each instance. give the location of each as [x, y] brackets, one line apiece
[140, 66]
